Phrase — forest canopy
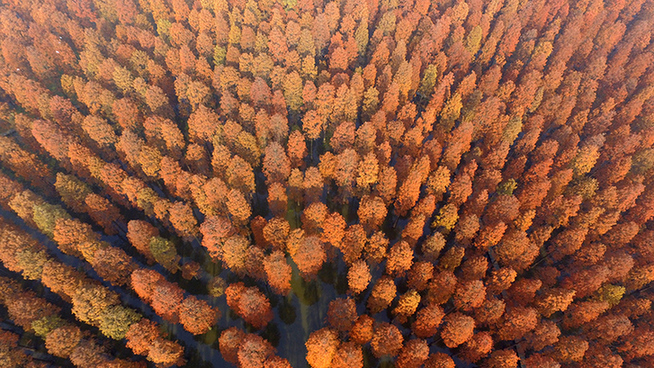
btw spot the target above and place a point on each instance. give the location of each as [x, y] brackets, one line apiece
[313, 183]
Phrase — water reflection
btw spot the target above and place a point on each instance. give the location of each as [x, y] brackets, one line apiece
[287, 311]
[297, 315]
[271, 333]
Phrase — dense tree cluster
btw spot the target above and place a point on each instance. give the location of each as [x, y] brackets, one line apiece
[478, 174]
[63, 339]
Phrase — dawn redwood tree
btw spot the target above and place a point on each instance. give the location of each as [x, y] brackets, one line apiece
[419, 275]
[469, 295]
[275, 233]
[240, 176]
[348, 354]
[182, 219]
[342, 314]
[363, 330]
[90, 301]
[516, 322]
[570, 349]
[141, 336]
[478, 347]
[309, 256]
[278, 272]
[400, 258]
[313, 217]
[24, 307]
[61, 341]
[116, 320]
[387, 340]
[457, 329]
[439, 360]
[353, 243]
[254, 351]
[406, 305]
[333, 229]
[238, 207]
[197, 316]
[321, 348]
[441, 287]
[387, 183]
[215, 231]
[502, 358]
[276, 165]
[638, 343]
[113, 265]
[432, 246]
[230, 340]
[165, 353]
[609, 328]
[367, 172]
[203, 123]
[383, 293]
[234, 253]
[358, 276]
[451, 259]
[546, 333]
[414, 353]
[602, 355]
[62, 279]
[143, 281]
[501, 279]
[139, 233]
[166, 300]
[164, 252]
[474, 268]
[427, 321]
[523, 291]
[72, 191]
[553, 300]
[313, 185]
[87, 352]
[250, 304]
[296, 149]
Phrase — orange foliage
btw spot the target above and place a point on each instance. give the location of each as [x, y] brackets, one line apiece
[278, 272]
[499, 155]
[387, 340]
[321, 348]
[457, 329]
[197, 316]
[382, 294]
[309, 256]
[342, 314]
[413, 354]
[250, 304]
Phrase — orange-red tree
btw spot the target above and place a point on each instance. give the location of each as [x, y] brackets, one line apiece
[321, 348]
[387, 340]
